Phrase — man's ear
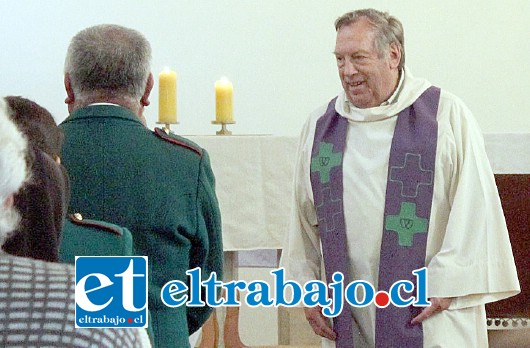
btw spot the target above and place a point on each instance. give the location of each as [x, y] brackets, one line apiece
[70, 97]
[394, 55]
[148, 88]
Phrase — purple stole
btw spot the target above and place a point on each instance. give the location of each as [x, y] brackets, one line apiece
[408, 203]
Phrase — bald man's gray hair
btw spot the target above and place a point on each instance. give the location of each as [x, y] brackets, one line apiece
[108, 59]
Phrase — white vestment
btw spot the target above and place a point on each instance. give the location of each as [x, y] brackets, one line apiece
[468, 254]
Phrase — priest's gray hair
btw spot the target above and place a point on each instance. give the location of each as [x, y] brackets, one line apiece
[13, 170]
[388, 29]
[108, 60]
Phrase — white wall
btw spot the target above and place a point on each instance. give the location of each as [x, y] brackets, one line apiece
[277, 53]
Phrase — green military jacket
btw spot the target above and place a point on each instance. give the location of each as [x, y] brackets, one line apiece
[83, 237]
[160, 187]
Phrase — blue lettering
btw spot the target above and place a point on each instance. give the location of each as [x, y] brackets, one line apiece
[368, 293]
[231, 292]
[395, 295]
[331, 297]
[337, 289]
[170, 290]
[258, 294]
[195, 288]
[317, 296]
[211, 292]
[421, 288]
[279, 279]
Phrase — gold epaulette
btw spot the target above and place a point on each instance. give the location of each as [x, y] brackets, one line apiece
[169, 137]
[79, 220]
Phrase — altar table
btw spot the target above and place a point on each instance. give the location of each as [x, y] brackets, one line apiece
[254, 186]
[254, 175]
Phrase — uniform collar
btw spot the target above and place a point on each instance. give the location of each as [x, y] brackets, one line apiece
[103, 111]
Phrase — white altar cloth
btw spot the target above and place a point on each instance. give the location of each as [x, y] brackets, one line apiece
[254, 186]
[509, 153]
[254, 177]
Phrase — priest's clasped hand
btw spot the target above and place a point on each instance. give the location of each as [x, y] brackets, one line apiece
[437, 305]
[320, 324]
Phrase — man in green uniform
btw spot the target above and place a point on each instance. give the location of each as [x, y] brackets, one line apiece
[160, 186]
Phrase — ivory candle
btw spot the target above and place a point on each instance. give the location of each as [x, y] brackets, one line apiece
[223, 101]
[167, 97]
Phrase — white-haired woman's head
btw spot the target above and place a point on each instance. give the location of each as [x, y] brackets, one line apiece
[13, 170]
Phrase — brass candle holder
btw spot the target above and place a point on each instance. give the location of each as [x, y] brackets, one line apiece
[224, 130]
[167, 126]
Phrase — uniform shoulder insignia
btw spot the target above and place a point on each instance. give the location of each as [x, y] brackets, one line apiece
[79, 220]
[172, 138]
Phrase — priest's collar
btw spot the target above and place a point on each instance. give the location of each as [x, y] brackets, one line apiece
[398, 89]
[408, 90]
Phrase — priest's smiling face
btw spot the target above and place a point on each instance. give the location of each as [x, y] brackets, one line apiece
[368, 77]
